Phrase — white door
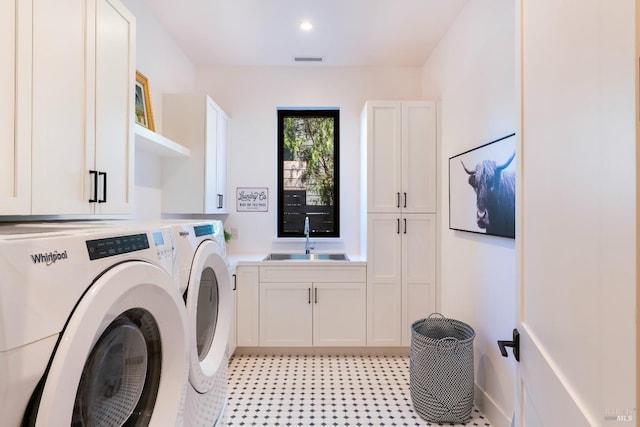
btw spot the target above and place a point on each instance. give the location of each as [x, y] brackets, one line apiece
[286, 315]
[418, 270]
[339, 314]
[211, 158]
[383, 123]
[209, 310]
[247, 317]
[123, 350]
[418, 157]
[114, 79]
[15, 107]
[576, 239]
[384, 277]
[61, 160]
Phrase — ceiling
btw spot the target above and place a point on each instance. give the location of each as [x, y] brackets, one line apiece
[345, 32]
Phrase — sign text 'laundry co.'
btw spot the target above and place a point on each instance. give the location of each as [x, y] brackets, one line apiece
[252, 199]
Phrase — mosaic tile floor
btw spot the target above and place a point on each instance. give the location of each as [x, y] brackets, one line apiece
[323, 391]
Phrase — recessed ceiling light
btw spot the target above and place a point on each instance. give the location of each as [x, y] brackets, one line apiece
[306, 25]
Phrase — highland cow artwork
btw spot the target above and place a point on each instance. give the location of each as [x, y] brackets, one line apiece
[482, 186]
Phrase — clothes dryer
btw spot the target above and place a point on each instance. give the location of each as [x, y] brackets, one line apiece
[205, 281]
[94, 330]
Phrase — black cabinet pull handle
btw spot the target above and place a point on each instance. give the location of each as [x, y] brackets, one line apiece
[309, 301]
[405, 225]
[398, 226]
[235, 282]
[515, 344]
[94, 199]
[405, 200]
[398, 199]
[316, 291]
[104, 187]
[220, 196]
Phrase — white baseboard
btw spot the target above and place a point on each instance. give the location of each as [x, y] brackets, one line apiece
[494, 413]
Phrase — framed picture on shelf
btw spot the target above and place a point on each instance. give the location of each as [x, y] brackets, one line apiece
[482, 189]
[144, 114]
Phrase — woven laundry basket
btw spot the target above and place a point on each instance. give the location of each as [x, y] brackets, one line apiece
[441, 369]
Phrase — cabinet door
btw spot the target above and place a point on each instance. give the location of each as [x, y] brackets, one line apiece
[221, 162]
[233, 335]
[285, 315]
[15, 107]
[418, 270]
[211, 158]
[383, 139]
[114, 91]
[339, 314]
[418, 157]
[384, 289]
[247, 318]
[60, 158]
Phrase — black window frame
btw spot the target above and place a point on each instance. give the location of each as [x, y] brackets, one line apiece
[310, 112]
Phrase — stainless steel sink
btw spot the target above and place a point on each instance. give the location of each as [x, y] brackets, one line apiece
[306, 257]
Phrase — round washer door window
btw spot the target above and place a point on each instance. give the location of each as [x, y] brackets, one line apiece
[120, 378]
[207, 312]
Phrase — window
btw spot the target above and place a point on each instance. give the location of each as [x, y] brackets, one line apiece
[308, 181]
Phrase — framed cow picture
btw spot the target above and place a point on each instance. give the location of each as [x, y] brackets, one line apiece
[482, 189]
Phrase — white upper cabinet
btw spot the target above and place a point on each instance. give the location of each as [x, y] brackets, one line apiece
[15, 107]
[114, 101]
[196, 184]
[401, 156]
[68, 137]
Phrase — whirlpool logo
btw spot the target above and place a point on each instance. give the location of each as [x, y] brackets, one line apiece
[50, 258]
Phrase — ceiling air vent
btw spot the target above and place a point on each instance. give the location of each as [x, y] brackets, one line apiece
[313, 59]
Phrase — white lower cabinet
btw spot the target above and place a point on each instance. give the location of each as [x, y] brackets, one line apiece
[312, 314]
[286, 314]
[247, 306]
[339, 314]
[301, 306]
[233, 336]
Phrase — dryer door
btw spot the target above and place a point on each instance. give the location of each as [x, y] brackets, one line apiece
[122, 358]
[209, 310]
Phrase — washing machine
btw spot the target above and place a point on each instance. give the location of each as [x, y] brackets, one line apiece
[94, 331]
[205, 282]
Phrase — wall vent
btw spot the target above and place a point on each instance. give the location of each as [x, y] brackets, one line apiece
[308, 59]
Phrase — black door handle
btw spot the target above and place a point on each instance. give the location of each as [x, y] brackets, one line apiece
[235, 282]
[104, 187]
[515, 344]
[94, 199]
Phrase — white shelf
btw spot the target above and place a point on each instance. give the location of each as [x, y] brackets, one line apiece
[157, 144]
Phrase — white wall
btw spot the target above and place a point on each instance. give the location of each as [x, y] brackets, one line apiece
[472, 74]
[168, 70]
[251, 95]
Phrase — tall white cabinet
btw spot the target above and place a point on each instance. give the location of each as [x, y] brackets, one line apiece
[399, 174]
[196, 184]
[67, 140]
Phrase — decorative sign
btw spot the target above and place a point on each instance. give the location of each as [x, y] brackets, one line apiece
[252, 199]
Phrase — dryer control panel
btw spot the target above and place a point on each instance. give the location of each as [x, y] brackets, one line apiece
[112, 246]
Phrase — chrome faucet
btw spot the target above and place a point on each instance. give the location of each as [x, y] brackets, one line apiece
[306, 235]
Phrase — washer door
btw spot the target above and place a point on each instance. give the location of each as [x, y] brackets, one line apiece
[122, 358]
[209, 311]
